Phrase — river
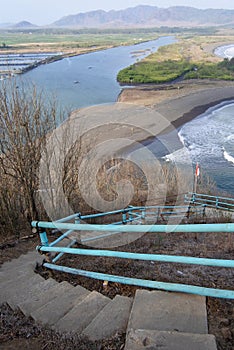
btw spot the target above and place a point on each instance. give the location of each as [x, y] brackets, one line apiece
[90, 79]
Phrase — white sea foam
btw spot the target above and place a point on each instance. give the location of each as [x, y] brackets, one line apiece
[182, 140]
[230, 138]
[180, 156]
[228, 157]
[205, 137]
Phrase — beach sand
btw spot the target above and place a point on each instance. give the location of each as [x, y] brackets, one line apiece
[180, 102]
[169, 106]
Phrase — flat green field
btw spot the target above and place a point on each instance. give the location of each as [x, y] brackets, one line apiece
[67, 40]
[13, 40]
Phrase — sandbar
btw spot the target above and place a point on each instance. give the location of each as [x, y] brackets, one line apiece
[180, 102]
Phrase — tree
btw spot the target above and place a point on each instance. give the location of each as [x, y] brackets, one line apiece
[26, 118]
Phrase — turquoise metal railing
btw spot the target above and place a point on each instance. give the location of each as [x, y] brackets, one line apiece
[216, 202]
[172, 287]
[129, 215]
[226, 227]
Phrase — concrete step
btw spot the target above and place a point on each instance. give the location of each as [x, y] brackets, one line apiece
[31, 257]
[28, 291]
[165, 311]
[24, 290]
[36, 301]
[111, 319]
[17, 289]
[14, 272]
[14, 261]
[79, 317]
[8, 278]
[32, 292]
[22, 266]
[141, 339]
[55, 309]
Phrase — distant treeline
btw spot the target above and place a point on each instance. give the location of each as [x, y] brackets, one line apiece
[74, 31]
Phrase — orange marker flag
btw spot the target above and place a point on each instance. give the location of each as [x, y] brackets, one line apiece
[197, 171]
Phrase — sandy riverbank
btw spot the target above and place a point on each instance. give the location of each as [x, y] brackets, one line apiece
[180, 102]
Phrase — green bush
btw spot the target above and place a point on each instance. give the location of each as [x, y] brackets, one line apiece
[154, 72]
[166, 71]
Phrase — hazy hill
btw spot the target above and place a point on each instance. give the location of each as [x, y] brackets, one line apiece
[24, 24]
[148, 16]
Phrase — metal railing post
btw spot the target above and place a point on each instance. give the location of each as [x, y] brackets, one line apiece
[44, 239]
[204, 212]
[124, 217]
[77, 221]
[158, 214]
[44, 243]
[188, 211]
[194, 198]
[77, 218]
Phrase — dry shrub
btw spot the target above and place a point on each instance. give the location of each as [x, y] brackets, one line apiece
[26, 118]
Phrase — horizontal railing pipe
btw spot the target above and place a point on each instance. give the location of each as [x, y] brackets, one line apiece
[212, 201]
[173, 287]
[139, 256]
[209, 196]
[225, 227]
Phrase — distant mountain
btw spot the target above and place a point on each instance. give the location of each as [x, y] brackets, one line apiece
[149, 16]
[24, 24]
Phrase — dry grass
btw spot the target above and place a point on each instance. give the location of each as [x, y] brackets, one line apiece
[195, 49]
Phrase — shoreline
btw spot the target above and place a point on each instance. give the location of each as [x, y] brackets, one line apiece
[181, 102]
[200, 110]
[177, 105]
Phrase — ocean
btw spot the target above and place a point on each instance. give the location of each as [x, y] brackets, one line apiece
[209, 141]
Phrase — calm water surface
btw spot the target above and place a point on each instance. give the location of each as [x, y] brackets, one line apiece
[90, 79]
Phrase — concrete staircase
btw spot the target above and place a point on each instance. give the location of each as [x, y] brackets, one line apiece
[153, 320]
[168, 321]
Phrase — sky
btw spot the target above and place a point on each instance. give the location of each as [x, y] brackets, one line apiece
[42, 12]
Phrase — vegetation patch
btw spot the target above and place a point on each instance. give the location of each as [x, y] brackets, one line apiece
[158, 72]
[187, 59]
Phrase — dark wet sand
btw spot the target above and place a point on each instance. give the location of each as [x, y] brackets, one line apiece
[180, 103]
